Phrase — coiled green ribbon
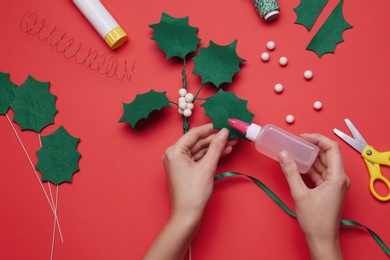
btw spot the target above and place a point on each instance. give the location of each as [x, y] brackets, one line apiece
[286, 209]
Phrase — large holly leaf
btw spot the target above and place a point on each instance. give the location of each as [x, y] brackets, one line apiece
[330, 34]
[217, 64]
[308, 11]
[33, 105]
[6, 94]
[143, 105]
[225, 105]
[58, 158]
[175, 36]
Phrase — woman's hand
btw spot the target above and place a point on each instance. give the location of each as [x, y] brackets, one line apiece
[319, 209]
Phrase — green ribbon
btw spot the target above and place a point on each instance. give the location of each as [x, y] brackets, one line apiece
[286, 209]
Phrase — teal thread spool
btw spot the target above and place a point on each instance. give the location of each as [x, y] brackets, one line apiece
[268, 9]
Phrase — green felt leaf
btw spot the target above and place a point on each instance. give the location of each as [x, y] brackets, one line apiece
[143, 105]
[33, 105]
[308, 11]
[175, 36]
[217, 64]
[6, 94]
[58, 158]
[330, 33]
[225, 105]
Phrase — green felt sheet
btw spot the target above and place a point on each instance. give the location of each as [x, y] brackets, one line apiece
[331, 32]
[308, 11]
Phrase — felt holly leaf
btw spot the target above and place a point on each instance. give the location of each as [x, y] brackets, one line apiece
[6, 92]
[58, 158]
[308, 11]
[175, 36]
[33, 105]
[217, 64]
[143, 105]
[330, 33]
[225, 105]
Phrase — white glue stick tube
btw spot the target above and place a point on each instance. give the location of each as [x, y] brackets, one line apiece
[102, 21]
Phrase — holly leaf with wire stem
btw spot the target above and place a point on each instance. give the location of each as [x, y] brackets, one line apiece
[143, 105]
[175, 36]
[58, 158]
[33, 105]
[6, 92]
[217, 64]
[225, 105]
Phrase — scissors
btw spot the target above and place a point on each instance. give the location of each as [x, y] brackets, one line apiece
[372, 157]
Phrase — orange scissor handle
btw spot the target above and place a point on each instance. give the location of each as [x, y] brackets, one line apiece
[376, 175]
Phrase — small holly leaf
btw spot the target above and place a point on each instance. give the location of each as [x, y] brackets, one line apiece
[225, 105]
[143, 105]
[6, 94]
[217, 64]
[308, 11]
[330, 33]
[58, 158]
[175, 36]
[34, 105]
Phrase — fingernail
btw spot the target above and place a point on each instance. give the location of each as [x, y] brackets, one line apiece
[284, 158]
[223, 134]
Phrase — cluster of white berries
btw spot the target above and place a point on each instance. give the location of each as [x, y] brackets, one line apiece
[185, 102]
[308, 75]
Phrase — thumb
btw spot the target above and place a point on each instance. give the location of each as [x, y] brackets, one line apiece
[216, 148]
[290, 170]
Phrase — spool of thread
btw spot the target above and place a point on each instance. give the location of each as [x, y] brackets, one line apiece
[268, 9]
[102, 21]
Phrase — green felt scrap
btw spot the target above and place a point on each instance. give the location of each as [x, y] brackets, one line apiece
[175, 36]
[33, 105]
[308, 11]
[143, 105]
[6, 92]
[330, 34]
[58, 158]
[217, 64]
[225, 105]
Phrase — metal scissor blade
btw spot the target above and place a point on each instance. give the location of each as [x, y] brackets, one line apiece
[355, 132]
[352, 142]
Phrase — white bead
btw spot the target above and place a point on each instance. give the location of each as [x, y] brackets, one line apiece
[189, 97]
[183, 105]
[317, 105]
[190, 106]
[180, 111]
[308, 74]
[283, 61]
[290, 119]
[187, 112]
[278, 88]
[265, 56]
[181, 99]
[182, 92]
[270, 45]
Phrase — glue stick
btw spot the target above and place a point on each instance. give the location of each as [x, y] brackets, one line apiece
[102, 21]
[270, 140]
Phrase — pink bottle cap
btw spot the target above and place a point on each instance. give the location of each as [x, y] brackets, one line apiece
[239, 125]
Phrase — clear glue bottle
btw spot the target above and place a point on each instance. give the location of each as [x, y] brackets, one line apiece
[270, 140]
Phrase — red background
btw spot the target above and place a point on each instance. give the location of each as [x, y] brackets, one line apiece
[119, 200]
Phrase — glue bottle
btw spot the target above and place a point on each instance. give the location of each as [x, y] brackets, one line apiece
[270, 140]
[102, 21]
